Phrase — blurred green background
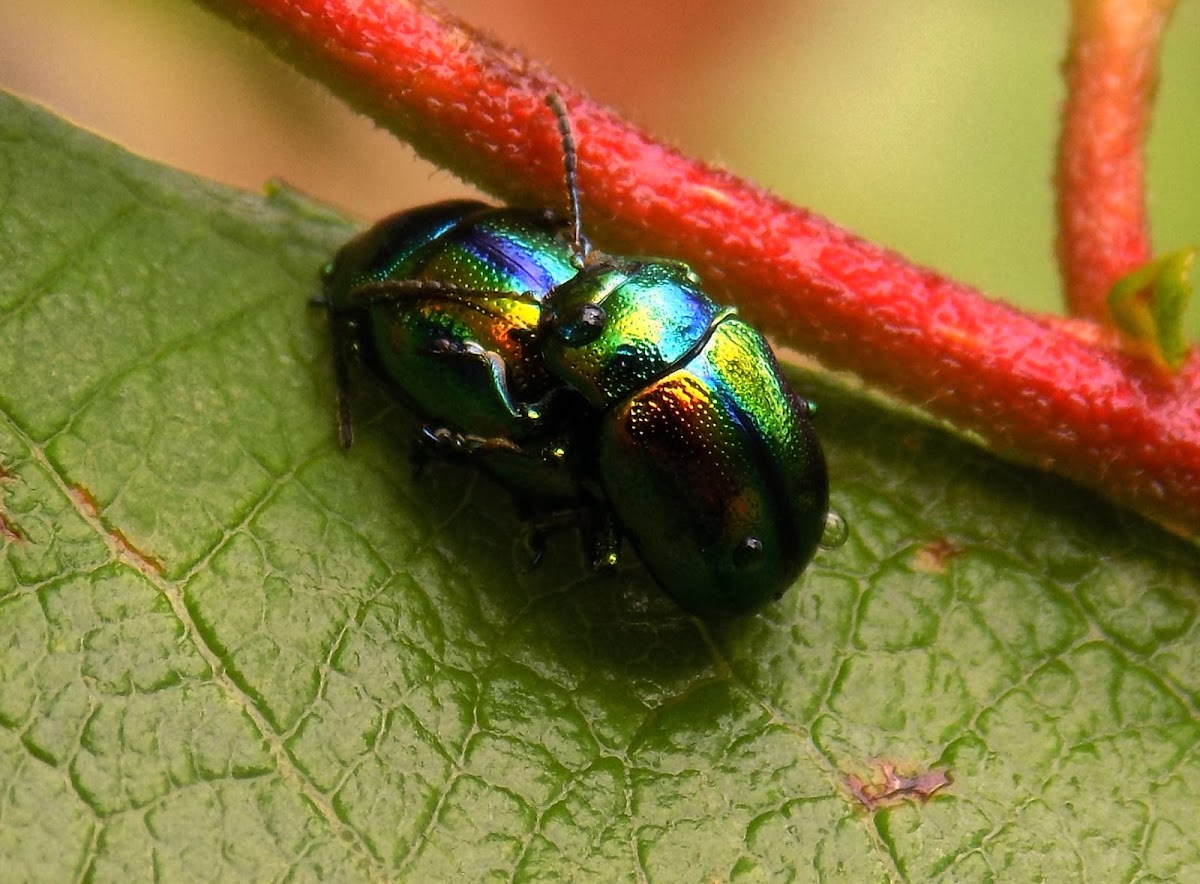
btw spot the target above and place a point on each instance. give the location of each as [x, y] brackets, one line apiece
[928, 126]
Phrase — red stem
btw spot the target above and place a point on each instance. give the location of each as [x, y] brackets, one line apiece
[1027, 384]
[1112, 75]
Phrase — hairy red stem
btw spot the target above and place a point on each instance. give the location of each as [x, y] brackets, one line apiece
[1027, 384]
[1112, 75]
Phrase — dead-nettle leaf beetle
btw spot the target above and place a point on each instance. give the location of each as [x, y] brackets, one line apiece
[612, 387]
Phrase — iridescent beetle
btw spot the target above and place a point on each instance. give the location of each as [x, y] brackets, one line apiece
[614, 385]
[444, 303]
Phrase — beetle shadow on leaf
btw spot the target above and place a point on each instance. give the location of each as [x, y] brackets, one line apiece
[467, 529]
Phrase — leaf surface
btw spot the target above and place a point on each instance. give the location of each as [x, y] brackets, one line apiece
[229, 650]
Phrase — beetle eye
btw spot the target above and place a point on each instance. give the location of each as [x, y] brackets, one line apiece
[582, 325]
[748, 552]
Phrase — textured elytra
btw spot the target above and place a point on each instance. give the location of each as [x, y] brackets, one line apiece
[229, 650]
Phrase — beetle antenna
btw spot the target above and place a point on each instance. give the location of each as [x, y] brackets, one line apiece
[555, 103]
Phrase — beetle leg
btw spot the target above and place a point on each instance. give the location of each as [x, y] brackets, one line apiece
[541, 524]
[493, 364]
[448, 443]
[534, 540]
[343, 329]
[428, 442]
[602, 537]
[535, 545]
[342, 347]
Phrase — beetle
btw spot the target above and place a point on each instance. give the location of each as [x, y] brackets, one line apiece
[443, 303]
[612, 385]
[706, 456]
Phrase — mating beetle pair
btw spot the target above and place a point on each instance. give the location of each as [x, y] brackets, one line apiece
[610, 386]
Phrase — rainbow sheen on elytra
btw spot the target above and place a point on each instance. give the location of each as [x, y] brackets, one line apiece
[467, 360]
[706, 455]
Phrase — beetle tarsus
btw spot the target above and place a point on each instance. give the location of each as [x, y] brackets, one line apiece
[603, 539]
[423, 446]
[344, 423]
[535, 545]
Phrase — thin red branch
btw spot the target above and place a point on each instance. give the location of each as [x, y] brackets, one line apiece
[1112, 75]
[1027, 384]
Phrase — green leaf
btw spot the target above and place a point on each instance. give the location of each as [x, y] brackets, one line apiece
[1149, 306]
[230, 651]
